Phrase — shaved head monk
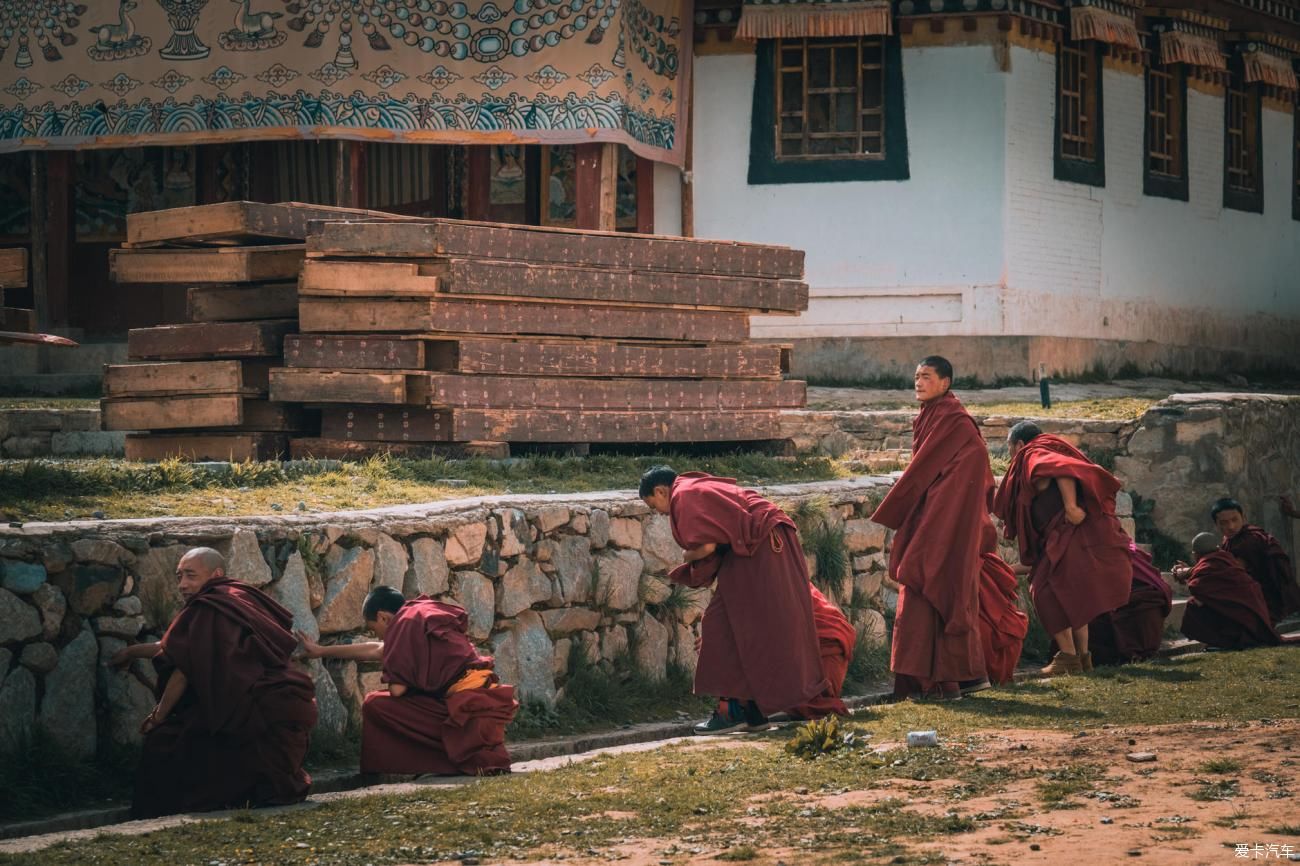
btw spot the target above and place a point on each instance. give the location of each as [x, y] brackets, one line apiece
[759, 651]
[1003, 625]
[939, 509]
[444, 711]
[233, 721]
[1133, 632]
[1227, 608]
[1261, 554]
[1060, 506]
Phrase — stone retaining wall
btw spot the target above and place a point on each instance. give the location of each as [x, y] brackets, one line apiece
[541, 577]
[28, 433]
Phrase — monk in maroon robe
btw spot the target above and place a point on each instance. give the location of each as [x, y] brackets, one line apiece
[939, 510]
[233, 720]
[836, 637]
[759, 647]
[1227, 609]
[1060, 506]
[1134, 631]
[1262, 556]
[1003, 625]
[444, 711]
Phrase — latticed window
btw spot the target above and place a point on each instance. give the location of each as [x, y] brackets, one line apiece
[1077, 103]
[1243, 146]
[830, 98]
[1164, 124]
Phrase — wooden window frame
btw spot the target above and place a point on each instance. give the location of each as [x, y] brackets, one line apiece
[1235, 197]
[766, 167]
[1073, 169]
[1162, 184]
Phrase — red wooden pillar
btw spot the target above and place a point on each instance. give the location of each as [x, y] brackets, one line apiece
[478, 174]
[645, 195]
[350, 174]
[596, 183]
[60, 189]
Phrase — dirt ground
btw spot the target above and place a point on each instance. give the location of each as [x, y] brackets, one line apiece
[1210, 789]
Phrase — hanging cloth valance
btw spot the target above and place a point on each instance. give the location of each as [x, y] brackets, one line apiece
[1104, 21]
[1264, 67]
[1194, 49]
[814, 19]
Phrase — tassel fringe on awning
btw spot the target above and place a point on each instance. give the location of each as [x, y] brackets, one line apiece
[1177, 46]
[812, 20]
[1102, 25]
[1267, 68]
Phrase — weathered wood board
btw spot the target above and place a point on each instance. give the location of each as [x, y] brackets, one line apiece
[525, 392]
[409, 424]
[459, 239]
[586, 358]
[334, 315]
[235, 447]
[186, 377]
[539, 282]
[242, 303]
[13, 268]
[198, 412]
[235, 220]
[206, 340]
[216, 265]
[302, 385]
[17, 319]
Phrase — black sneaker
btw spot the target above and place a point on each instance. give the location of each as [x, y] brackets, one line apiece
[755, 719]
[730, 722]
[970, 687]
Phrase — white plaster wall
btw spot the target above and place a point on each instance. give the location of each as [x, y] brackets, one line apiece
[668, 199]
[895, 254]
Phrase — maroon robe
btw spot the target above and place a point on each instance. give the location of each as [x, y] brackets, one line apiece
[239, 735]
[939, 511]
[1267, 562]
[1134, 631]
[1003, 625]
[759, 641]
[1077, 572]
[836, 636]
[1227, 608]
[426, 730]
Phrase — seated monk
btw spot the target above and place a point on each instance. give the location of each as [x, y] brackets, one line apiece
[1134, 631]
[759, 649]
[233, 719]
[1061, 508]
[1003, 625]
[1227, 608]
[1262, 556]
[939, 509]
[836, 637]
[444, 711]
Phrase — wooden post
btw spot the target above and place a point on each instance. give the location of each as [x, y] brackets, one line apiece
[438, 174]
[688, 178]
[60, 191]
[645, 195]
[597, 186]
[38, 229]
[478, 172]
[533, 185]
[350, 174]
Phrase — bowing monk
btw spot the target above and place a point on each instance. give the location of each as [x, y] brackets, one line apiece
[1003, 625]
[1061, 508]
[1227, 609]
[939, 511]
[1134, 631]
[233, 719]
[1262, 555]
[444, 711]
[836, 638]
[759, 650]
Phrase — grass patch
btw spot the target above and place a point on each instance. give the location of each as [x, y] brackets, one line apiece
[1038, 644]
[825, 541]
[1109, 409]
[869, 667]
[48, 403]
[1221, 789]
[1291, 830]
[1058, 786]
[39, 778]
[738, 854]
[59, 490]
[1220, 767]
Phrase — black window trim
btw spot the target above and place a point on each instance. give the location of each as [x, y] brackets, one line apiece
[1237, 199]
[1089, 172]
[1158, 185]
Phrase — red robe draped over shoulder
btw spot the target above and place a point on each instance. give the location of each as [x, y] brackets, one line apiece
[837, 637]
[1077, 572]
[1227, 608]
[759, 642]
[1134, 631]
[939, 511]
[429, 730]
[1267, 562]
[239, 735]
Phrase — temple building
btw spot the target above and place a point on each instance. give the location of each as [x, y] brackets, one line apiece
[1024, 185]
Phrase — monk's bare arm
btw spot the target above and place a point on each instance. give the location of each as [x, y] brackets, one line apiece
[370, 651]
[1070, 496]
[176, 686]
[126, 655]
[396, 689]
[697, 553]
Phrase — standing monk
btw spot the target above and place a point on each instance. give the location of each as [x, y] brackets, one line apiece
[1061, 507]
[1134, 631]
[938, 509]
[759, 650]
[444, 711]
[233, 721]
[1264, 558]
[1227, 608]
[1003, 625]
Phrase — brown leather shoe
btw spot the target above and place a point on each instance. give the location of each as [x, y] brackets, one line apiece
[1064, 664]
[1085, 662]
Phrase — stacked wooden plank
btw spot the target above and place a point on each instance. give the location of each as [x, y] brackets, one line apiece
[200, 389]
[13, 275]
[422, 334]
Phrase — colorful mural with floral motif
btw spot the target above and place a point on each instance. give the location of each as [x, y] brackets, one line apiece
[130, 72]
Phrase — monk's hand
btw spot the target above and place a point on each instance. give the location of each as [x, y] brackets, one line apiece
[1180, 571]
[396, 689]
[1075, 514]
[150, 722]
[122, 658]
[310, 649]
[701, 552]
